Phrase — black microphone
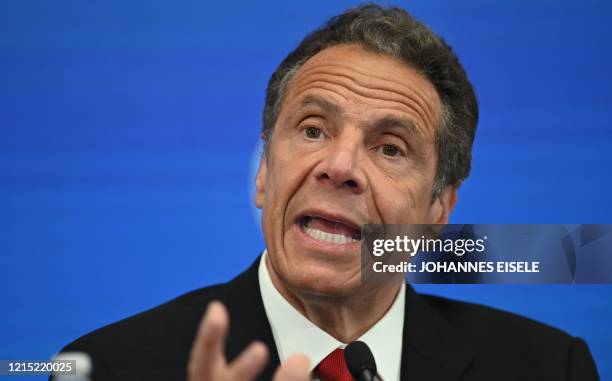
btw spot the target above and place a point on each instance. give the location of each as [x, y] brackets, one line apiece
[360, 362]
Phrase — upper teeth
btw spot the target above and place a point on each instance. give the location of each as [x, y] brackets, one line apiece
[327, 237]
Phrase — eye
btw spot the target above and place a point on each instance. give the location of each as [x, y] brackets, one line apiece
[391, 150]
[312, 132]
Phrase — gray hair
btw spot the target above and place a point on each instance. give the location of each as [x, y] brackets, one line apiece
[394, 32]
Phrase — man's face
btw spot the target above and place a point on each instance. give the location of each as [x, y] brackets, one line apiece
[353, 144]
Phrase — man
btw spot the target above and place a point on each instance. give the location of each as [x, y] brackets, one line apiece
[370, 120]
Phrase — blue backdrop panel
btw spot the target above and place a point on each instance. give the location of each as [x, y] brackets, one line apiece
[129, 133]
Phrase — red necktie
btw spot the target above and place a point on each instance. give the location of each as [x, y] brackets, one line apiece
[333, 367]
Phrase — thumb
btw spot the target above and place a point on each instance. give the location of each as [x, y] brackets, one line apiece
[296, 368]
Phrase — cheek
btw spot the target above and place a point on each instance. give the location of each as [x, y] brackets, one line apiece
[281, 181]
[405, 203]
[287, 175]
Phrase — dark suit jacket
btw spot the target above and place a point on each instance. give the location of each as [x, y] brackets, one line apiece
[442, 340]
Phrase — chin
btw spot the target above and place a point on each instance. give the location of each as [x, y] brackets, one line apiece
[316, 281]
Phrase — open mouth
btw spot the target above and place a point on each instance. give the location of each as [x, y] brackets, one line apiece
[329, 231]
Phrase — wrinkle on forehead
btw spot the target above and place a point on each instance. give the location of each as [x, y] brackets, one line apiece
[371, 86]
[351, 72]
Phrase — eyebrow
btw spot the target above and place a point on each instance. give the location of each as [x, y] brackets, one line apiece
[404, 123]
[388, 121]
[322, 103]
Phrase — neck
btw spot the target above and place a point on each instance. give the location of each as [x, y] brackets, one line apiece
[344, 317]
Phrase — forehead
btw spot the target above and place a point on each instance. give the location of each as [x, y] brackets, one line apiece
[355, 79]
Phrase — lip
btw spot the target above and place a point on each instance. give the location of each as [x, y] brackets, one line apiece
[329, 249]
[333, 217]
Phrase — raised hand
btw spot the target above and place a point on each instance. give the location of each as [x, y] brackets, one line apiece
[208, 363]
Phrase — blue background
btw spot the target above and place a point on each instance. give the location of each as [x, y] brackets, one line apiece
[129, 130]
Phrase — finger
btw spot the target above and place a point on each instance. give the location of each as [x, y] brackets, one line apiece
[250, 362]
[296, 368]
[208, 346]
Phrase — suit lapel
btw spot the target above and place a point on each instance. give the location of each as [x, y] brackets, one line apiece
[248, 320]
[432, 349]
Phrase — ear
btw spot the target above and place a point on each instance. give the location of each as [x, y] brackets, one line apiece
[443, 205]
[260, 181]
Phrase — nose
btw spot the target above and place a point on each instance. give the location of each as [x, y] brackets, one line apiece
[343, 165]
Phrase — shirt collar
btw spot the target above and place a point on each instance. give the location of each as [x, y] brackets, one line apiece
[293, 333]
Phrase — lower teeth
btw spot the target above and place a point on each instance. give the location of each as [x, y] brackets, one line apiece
[327, 237]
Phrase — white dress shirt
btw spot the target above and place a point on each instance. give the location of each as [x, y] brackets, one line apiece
[293, 333]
